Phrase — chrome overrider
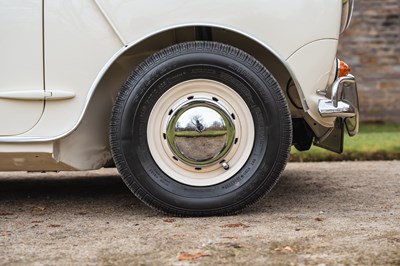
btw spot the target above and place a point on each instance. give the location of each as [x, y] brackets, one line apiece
[343, 103]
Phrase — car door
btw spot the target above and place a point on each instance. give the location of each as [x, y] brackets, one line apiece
[21, 65]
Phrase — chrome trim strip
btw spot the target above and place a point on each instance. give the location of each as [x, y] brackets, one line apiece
[337, 68]
[22, 139]
[350, 13]
[347, 13]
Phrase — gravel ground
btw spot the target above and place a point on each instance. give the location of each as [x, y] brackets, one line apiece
[333, 213]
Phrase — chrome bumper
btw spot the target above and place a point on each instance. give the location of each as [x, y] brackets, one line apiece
[343, 103]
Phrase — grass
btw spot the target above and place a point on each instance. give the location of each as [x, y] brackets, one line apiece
[374, 142]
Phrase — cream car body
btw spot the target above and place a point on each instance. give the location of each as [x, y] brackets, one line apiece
[63, 63]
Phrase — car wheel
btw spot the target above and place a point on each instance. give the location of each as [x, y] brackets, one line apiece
[199, 129]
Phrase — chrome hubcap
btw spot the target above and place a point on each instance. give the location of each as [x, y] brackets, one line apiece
[200, 133]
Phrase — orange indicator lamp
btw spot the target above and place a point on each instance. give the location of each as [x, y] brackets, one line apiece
[344, 69]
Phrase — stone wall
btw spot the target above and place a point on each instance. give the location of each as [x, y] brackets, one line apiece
[371, 46]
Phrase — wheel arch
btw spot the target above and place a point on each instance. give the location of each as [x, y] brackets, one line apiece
[96, 117]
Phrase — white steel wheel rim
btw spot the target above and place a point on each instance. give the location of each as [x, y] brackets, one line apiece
[159, 119]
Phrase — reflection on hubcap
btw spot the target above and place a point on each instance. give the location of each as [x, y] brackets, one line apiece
[200, 132]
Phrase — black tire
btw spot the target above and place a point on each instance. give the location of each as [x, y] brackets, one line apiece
[209, 61]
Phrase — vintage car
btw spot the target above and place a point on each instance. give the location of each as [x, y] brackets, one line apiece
[197, 103]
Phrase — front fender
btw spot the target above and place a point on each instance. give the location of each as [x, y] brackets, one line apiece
[313, 68]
